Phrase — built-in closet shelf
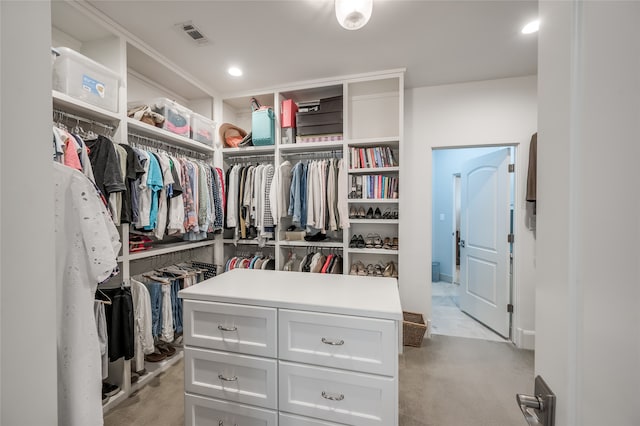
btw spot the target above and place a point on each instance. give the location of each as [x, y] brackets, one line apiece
[269, 243]
[374, 200]
[328, 244]
[376, 170]
[388, 141]
[154, 369]
[373, 251]
[376, 221]
[295, 148]
[86, 110]
[138, 127]
[248, 150]
[170, 248]
[114, 400]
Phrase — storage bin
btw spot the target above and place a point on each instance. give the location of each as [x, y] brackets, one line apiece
[318, 118]
[323, 129]
[263, 128]
[333, 104]
[413, 329]
[295, 235]
[82, 78]
[177, 118]
[202, 129]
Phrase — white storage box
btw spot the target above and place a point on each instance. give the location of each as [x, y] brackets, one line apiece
[177, 118]
[202, 129]
[85, 79]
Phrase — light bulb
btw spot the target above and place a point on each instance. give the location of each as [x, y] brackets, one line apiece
[531, 27]
[353, 14]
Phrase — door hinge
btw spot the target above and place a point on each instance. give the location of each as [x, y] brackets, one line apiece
[512, 168]
[511, 238]
[510, 308]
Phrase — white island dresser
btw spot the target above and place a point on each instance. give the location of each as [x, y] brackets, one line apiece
[267, 348]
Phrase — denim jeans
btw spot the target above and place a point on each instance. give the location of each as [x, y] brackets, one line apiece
[155, 293]
[176, 306]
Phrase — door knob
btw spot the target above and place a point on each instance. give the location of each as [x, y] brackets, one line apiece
[461, 243]
[538, 409]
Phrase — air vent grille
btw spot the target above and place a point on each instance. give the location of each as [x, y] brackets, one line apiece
[193, 32]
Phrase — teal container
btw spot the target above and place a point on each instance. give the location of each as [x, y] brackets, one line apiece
[263, 127]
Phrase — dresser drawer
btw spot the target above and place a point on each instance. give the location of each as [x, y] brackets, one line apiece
[230, 376]
[200, 411]
[292, 420]
[337, 396]
[229, 327]
[341, 341]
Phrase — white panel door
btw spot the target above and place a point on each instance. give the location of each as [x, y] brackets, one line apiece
[484, 249]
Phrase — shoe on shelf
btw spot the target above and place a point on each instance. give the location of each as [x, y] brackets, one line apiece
[166, 348]
[371, 271]
[394, 243]
[386, 214]
[361, 213]
[390, 270]
[105, 399]
[369, 214]
[377, 240]
[354, 241]
[360, 243]
[368, 242]
[155, 356]
[353, 213]
[109, 389]
[378, 269]
[377, 214]
[386, 243]
[354, 269]
[361, 269]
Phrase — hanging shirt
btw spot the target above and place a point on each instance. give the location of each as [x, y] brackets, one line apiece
[105, 164]
[176, 203]
[343, 206]
[143, 336]
[86, 247]
[167, 182]
[143, 191]
[279, 193]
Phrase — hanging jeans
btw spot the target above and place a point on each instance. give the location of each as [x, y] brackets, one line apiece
[155, 293]
[120, 323]
[176, 305]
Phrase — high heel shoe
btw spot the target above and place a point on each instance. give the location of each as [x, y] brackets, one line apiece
[354, 241]
[369, 213]
[361, 213]
[353, 213]
[377, 214]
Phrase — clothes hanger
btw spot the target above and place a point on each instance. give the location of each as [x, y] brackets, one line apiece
[104, 302]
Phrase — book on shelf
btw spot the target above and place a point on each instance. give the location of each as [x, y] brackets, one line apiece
[374, 157]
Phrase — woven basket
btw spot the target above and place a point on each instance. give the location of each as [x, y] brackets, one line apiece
[413, 329]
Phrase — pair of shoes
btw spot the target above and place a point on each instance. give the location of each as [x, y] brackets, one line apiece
[109, 389]
[166, 348]
[373, 241]
[357, 241]
[373, 214]
[387, 243]
[357, 268]
[134, 377]
[319, 236]
[394, 243]
[390, 214]
[155, 356]
[353, 213]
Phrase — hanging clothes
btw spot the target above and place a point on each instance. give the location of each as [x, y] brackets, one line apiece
[87, 245]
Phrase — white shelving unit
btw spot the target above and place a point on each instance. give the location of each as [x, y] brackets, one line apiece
[372, 117]
[143, 74]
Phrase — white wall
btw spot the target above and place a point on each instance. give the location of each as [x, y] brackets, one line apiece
[28, 389]
[492, 112]
[587, 316]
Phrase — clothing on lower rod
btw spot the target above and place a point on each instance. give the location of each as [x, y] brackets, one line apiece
[155, 293]
[176, 305]
[120, 323]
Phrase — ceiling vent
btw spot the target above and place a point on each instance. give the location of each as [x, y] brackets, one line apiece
[193, 33]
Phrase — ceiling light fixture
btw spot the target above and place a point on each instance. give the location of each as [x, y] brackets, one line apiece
[235, 71]
[531, 27]
[353, 14]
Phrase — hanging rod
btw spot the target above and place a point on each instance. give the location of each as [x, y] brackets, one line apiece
[136, 139]
[67, 115]
[244, 158]
[317, 154]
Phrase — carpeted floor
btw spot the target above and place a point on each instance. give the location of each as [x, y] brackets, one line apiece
[449, 381]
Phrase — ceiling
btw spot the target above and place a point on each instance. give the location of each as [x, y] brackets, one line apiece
[279, 42]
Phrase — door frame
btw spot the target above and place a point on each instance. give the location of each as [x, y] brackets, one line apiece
[455, 179]
[514, 322]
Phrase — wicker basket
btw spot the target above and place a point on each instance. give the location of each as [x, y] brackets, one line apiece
[413, 329]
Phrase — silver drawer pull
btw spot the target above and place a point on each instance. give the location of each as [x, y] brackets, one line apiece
[227, 379]
[332, 397]
[332, 342]
[223, 328]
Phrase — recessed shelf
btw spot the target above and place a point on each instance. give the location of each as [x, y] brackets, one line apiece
[388, 141]
[67, 103]
[376, 170]
[295, 148]
[328, 244]
[376, 221]
[373, 251]
[162, 135]
[170, 248]
[374, 200]
[248, 150]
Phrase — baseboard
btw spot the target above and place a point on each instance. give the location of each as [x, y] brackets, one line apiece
[446, 278]
[525, 339]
